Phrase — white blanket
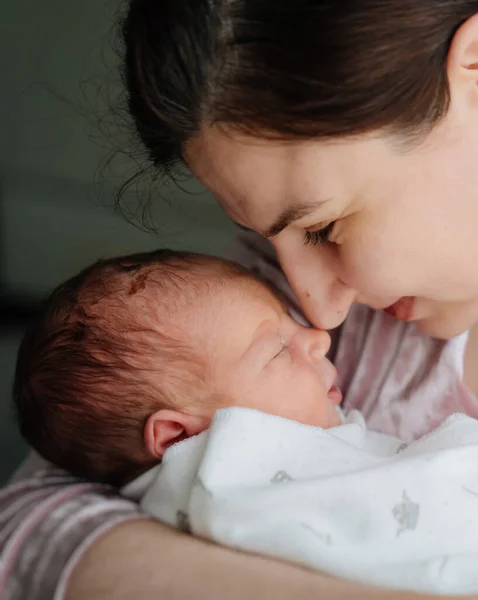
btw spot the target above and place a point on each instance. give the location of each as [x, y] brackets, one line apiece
[345, 501]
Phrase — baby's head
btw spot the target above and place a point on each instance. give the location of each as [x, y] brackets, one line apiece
[136, 353]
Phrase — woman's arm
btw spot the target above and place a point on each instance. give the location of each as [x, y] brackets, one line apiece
[68, 540]
[148, 560]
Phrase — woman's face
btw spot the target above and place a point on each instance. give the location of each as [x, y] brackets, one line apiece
[365, 220]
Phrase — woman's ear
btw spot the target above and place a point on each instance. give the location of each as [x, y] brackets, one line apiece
[166, 427]
[462, 64]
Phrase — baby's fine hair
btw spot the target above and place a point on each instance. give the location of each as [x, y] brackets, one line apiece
[100, 359]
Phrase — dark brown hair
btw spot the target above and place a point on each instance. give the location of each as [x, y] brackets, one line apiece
[100, 359]
[286, 68]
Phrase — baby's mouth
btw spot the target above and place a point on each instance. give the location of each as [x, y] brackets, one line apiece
[328, 374]
[335, 394]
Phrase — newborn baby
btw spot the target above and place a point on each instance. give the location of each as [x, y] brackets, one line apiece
[184, 377]
[137, 353]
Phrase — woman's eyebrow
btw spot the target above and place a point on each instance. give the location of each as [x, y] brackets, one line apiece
[289, 215]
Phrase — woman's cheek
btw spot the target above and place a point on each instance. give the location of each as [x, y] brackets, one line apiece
[368, 268]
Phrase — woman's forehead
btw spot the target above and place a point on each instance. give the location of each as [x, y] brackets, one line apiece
[224, 158]
[255, 181]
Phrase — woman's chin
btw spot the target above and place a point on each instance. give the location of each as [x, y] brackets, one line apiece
[442, 320]
[445, 328]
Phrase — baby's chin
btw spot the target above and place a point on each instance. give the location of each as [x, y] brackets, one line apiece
[334, 419]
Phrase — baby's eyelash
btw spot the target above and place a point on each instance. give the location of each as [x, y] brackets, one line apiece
[284, 347]
[320, 236]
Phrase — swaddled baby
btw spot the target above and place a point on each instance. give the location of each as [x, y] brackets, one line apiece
[137, 353]
[184, 377]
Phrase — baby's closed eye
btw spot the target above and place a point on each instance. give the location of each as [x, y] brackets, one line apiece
[283, 350]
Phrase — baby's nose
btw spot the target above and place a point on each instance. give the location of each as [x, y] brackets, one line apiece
[317, 344]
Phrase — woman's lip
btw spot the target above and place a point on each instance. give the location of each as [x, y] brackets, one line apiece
[402, 309]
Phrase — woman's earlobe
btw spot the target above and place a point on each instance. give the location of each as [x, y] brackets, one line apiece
[463, 53]
[462, 73]
[166, 427]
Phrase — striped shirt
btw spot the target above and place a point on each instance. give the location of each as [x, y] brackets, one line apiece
[403, 382]
[47, 521]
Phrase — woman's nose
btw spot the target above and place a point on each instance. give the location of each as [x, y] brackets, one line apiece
[312, 273]
[312, 343]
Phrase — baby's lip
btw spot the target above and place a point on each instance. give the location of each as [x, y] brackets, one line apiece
[333, 376]
[335, 394]
[328, 373]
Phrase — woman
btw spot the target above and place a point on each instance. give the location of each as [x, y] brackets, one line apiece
[345, 133]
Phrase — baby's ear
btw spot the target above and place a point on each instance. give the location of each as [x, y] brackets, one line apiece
[167, 427]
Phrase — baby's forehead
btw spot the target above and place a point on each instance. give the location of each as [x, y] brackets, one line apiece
[238, 290]
[211, 293]
[225, 305]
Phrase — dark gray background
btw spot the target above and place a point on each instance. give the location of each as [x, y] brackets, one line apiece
[56, 130]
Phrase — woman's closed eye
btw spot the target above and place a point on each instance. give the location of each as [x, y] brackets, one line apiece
[319, 236]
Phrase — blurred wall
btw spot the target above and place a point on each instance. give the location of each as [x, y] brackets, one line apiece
[59, 79]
